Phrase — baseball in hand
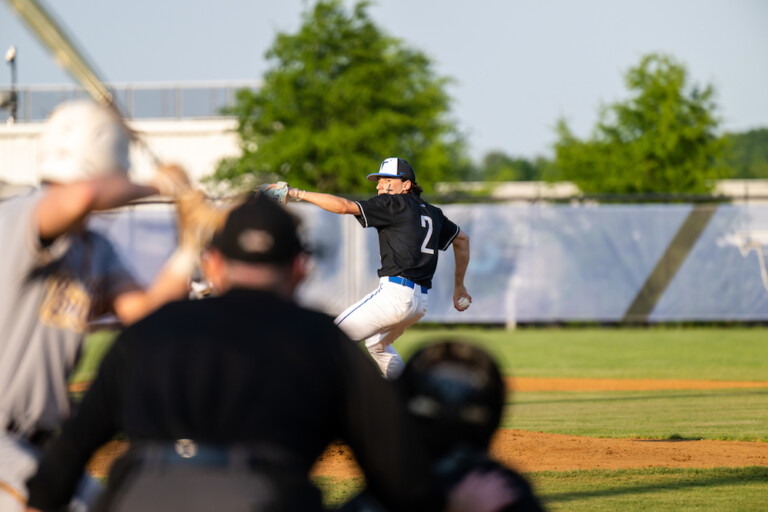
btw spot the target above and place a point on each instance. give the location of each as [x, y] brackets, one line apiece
[463, 303]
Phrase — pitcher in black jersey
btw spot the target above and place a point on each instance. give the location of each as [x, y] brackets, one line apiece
[411, 232]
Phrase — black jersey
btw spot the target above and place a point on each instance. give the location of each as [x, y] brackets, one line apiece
[411, 231]
[194, 370]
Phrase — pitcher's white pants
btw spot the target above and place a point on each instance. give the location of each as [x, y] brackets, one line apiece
[380, 318]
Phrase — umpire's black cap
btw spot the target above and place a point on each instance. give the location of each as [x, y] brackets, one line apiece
[394, 168]
[259, 231]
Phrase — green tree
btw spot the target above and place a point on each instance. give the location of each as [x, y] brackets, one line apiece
[746, 154]
[498, 166]
[661, 140]
[340, 97]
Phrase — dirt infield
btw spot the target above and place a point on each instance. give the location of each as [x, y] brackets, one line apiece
[536, 451]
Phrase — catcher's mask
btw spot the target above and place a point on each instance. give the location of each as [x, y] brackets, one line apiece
[455, 392]
[82, 140]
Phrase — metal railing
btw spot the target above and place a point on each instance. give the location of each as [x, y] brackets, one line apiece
[184, 100]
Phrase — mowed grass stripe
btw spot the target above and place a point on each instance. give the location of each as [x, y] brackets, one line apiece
[523, 384]
[718, 414]
[634, 490]
[737, 354]
[657, 489]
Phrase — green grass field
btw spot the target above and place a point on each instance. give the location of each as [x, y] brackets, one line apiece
[660, 489]
[739, 354]
[671, 353]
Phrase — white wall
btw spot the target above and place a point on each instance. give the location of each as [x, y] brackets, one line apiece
[195, 144]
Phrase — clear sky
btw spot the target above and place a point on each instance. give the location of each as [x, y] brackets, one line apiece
[518, 66]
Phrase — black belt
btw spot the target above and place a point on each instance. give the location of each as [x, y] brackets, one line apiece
[406, 282]
[189, 452]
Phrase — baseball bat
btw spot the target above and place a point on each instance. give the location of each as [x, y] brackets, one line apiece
[52, 34]
[67, 55]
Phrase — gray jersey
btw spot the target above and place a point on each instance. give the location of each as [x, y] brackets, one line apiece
[49, 294]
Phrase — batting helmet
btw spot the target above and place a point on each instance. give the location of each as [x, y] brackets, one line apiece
[82, 140]
[455, 392]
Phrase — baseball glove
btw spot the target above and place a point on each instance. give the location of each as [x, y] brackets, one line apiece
[198, 219]
[277, 191]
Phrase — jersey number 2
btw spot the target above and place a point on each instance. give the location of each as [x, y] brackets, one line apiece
[426, 222]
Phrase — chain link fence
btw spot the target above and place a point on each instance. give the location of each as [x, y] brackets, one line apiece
[172, 101]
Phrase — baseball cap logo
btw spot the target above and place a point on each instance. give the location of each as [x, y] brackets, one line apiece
[255, 240]
[389, 166]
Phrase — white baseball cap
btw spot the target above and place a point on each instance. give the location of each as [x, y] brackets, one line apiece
[82, 140]
[394, 168]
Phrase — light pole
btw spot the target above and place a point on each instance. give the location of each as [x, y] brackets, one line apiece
[10, 58]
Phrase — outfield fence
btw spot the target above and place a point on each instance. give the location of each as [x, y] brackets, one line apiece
[533, 263]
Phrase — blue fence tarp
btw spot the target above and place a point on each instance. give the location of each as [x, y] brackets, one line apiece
[529, 263]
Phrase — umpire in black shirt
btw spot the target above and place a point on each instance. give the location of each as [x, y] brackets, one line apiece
[228, 401]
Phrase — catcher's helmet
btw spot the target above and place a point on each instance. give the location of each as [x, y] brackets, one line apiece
[455, 392]
[82, 140]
